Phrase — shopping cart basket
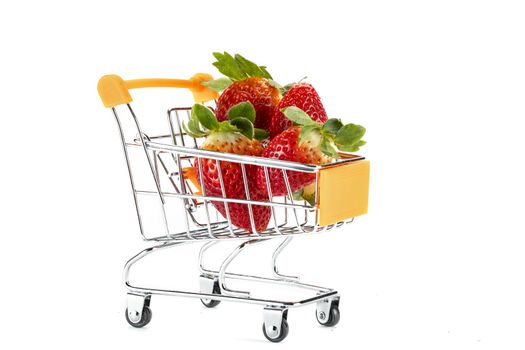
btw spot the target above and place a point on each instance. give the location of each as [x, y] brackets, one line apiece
[186, 214]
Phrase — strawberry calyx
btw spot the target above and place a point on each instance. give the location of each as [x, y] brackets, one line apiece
[334, 136]
[203, 122]
[235, 68]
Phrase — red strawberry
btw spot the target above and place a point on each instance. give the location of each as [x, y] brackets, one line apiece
[258, 91]
[309, 142]
[240, 213]
[245, 81]
[233, 136]
[303, 96]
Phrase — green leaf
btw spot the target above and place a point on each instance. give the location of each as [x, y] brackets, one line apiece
[309, 193]
[226, 126]
[352, 148]
[306, 193]
[260, 134]
[228, 66]
[306, 131]
[328, 148]
[194, 127]
[192, 133]
[298, 195]
[244, 125]
[238, 67]
[332, 125]
[250, 68]
[349, 134]
[297, 115]
[218, 84]
[265, 72]
[205, 116]
[243, 109]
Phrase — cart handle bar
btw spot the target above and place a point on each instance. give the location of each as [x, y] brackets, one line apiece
[114, 91]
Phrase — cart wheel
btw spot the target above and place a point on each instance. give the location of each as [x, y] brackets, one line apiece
[282, 335]
[329, 320]
[144, 320]
[210, 302]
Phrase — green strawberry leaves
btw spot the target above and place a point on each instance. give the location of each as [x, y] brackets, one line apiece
[243, 109]
[241, 118]
[227, 65]
[298, 116]
[328, 147]
[205, 116]
[335, 136]
[332, 125]
[260, 134]
[217, 84]
[237, 67]
[251, 69]
[306, 132]
[244, 126]
[349, 135]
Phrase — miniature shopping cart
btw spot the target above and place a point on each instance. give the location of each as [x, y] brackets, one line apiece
[183, 213]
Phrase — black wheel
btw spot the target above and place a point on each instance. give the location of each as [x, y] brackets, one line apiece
[282, 335]
[210, 302]
[144, 320]
[333, 317]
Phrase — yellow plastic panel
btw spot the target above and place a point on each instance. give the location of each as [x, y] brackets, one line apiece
[343, 192]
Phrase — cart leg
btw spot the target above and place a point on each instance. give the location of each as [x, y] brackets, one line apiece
[222, 271]
[327, 312]
[275, 324]
[209, 285]
[275, 255]
[138, 313]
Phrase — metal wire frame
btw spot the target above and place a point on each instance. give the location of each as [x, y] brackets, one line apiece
[226, 294]
[184, 150]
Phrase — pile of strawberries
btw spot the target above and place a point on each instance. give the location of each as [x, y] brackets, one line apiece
[255, 116]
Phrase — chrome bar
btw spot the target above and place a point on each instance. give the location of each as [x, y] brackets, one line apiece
[229, 200]
[157, 184]
[247, 191]
[275, 255]
[225, 290]
[252, 160]
[126, 156]
[270, 198]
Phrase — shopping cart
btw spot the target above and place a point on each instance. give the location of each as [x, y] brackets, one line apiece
[186, 214]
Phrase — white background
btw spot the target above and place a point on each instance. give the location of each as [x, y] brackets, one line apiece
[438, 262]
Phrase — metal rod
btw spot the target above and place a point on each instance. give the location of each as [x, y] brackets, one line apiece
[126, 156]
[275, 255]
[225, 290]
[229, 200]
[157, 184]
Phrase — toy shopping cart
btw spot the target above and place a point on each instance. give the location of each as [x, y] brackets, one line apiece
[182, 212]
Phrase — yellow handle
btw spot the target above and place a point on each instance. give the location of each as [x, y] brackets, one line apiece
[114, 91]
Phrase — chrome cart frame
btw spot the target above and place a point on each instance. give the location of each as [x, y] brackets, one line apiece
[166, 157]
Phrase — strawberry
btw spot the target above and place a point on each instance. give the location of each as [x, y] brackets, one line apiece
[307, 142]
[303, 96]
[231, 136]
[245, 81]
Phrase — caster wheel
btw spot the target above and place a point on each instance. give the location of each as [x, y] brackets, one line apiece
[282, 335]
[144, 320]
[210, 302]
[333, 317]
